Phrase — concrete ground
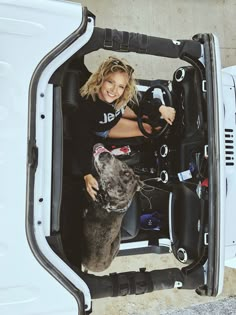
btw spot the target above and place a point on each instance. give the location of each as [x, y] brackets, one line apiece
[165, 302]
[170, 18]
[177, 20]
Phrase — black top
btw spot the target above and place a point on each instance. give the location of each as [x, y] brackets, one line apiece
[91, 117]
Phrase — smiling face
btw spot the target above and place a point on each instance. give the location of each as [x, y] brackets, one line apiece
[113, 86]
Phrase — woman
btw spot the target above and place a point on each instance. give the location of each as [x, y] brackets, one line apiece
[103, 112]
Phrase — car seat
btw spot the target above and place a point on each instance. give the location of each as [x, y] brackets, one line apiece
[70, 77]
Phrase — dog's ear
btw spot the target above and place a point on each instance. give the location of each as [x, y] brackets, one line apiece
[140, 184]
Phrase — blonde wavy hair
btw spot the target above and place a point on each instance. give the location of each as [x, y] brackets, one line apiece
[110, 65]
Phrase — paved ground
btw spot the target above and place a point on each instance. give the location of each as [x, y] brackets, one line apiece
[172, 301]
[177, 20]
[170, 18]
[226, 307]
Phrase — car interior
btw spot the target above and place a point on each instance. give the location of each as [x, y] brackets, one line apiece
[172, 163]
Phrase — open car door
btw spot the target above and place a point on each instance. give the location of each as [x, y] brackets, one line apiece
[46, 233]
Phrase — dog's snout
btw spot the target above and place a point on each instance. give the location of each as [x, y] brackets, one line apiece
[97, 146]
[104, 156]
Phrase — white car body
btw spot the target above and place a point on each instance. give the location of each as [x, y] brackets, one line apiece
[36, 38]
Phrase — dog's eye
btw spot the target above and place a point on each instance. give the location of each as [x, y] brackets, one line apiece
[108, 185]
[127, 174]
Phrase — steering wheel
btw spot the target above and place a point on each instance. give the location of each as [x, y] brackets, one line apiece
[148, 95]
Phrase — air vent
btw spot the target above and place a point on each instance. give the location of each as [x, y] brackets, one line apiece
[229, 147]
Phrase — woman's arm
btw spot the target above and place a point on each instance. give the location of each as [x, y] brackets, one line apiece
[154, 108]
[168, 113]
[91, 185]
[129, 113]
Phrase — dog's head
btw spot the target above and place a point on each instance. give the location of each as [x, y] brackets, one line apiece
[117, 182]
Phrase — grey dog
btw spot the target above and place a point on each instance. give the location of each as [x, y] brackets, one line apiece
[103, 218]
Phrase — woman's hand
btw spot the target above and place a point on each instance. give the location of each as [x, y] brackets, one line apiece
[168, 113]
[91, 185]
